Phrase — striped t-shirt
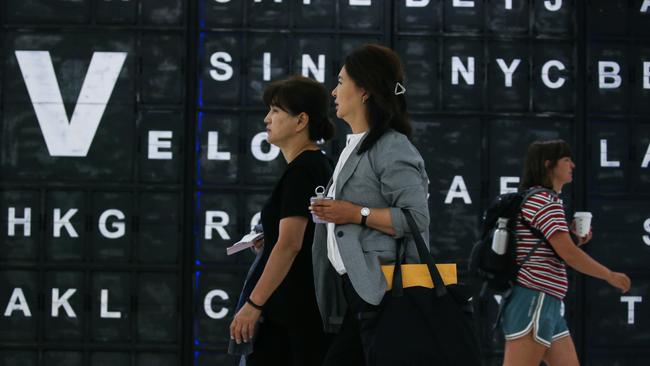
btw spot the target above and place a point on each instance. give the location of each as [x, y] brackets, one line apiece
[544, 270]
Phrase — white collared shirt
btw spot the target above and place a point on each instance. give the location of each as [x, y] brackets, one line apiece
[332, 247]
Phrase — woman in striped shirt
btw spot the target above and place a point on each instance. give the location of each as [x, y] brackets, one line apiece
[533, 325]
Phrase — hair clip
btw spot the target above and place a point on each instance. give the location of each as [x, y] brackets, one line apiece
[399, 88]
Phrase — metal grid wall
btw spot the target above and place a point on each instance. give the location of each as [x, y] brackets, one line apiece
[184, 181]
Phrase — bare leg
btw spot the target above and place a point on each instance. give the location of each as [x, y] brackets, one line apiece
[562, 353]
[524, 351]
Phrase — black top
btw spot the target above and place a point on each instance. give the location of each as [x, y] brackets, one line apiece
[294, 300]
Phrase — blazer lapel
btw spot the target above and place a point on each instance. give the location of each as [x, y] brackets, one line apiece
[349, 168]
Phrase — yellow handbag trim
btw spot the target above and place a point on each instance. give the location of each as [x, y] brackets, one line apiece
[418, 275]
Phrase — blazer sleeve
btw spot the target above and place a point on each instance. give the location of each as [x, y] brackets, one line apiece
[403, 180]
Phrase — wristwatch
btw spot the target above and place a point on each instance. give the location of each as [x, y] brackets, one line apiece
[365, 212]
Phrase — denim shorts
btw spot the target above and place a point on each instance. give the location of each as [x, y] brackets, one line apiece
[534, 310]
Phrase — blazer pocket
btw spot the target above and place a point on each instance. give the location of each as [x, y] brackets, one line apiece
[378, 244]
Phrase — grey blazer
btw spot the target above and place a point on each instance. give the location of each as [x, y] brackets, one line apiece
[390, 175]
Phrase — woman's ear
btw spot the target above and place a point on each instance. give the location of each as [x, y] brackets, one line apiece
[303, 121]
[547, 164]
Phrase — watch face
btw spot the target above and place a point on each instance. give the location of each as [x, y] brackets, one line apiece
[365, 211]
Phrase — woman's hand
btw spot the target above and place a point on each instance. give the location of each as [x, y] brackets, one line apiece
[337, 211]
[581, 240]
[242, 327]
[619, 280]
[258, 245]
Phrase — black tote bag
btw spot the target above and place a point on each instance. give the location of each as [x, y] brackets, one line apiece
[424, 326]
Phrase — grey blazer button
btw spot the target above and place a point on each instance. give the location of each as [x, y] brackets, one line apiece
[339, 234]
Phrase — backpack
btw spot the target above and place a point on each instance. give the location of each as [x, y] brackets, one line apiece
[499, 272]
[493, 274]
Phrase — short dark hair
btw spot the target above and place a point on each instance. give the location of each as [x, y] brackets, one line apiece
[378, 69]
[536, 173]
[298, 94]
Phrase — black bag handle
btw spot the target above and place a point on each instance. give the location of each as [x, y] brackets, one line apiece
[425, 258]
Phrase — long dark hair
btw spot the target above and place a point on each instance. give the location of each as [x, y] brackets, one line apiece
[378, 69]
[536, 173]
[298, 94]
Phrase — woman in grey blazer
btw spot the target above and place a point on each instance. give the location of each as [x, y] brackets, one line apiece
[378, 173]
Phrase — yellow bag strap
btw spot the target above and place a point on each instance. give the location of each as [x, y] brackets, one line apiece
[418, 275]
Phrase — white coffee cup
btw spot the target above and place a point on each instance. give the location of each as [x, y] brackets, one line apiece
[583, 223]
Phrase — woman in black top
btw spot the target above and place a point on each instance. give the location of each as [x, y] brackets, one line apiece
[282, 283]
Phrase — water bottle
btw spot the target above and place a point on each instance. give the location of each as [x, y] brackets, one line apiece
[500, 237]
[320, 195]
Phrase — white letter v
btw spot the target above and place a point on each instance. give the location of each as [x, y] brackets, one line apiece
[74, 137]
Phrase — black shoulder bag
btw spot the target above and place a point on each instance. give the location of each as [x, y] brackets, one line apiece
[424, 326]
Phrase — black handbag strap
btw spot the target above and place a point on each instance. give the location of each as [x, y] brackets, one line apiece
[425, 258]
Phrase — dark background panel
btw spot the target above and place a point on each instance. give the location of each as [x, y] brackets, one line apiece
[220, 14]
[259, 72]
[208, 358]
[212, 238]
[466, 17]
[111, 226]
[606, 17]
[316, 14]
[465, 94]
[639, 56]
[554, 17]
[268, 14]
[508, 141]
[611, 323]
[558, 98]
[20, 326]
[158, 318]
[23, 244]
[616, 357]
[218, 291]
[64, 326]
[219, 156]
[159, 228]
[451, 150]
[115, 12]
[609, 160]
[70, 53]
[25, 156]
[162, 12]
[68, 239]
[10, 357]
[109, 358]
[253, 203]
[508, 94]
[70, 358]
[156, 359]
[220, 66]
[162, 63]
[641, 141]
[307, 55]
[421, 15]
[508, 17]
[47, 11]
[640, 19]
[367, 17]
[621, 232]
[604, 95]
[262, 162]
[160, 144]
[110, 327]
[420, 58]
